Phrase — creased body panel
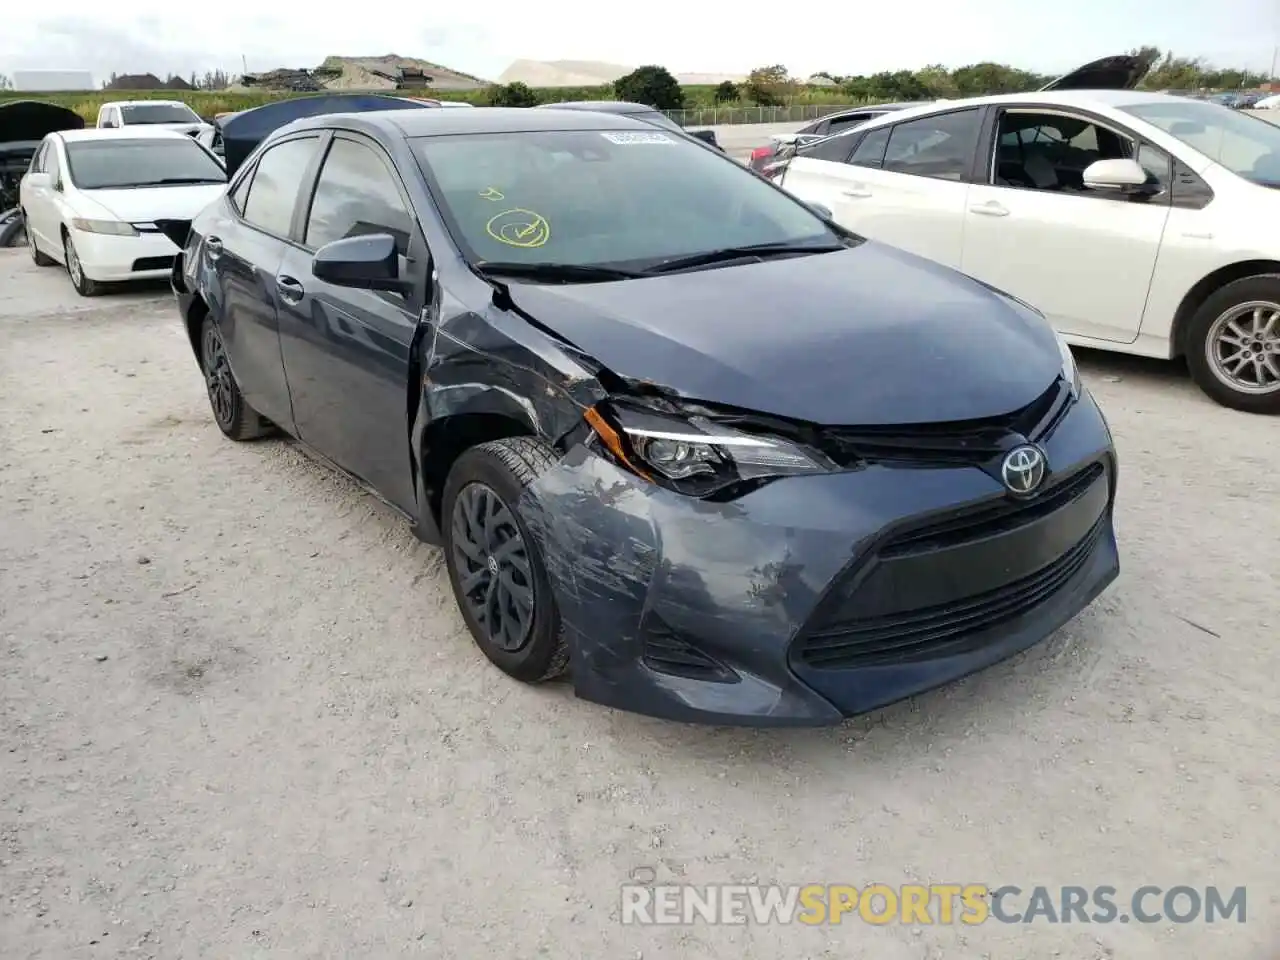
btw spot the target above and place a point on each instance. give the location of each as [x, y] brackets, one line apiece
[646, 579]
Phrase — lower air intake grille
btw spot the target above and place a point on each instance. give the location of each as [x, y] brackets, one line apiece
[946, 630]
[152, 263]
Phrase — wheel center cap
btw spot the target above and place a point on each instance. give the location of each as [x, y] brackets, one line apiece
[492, 564]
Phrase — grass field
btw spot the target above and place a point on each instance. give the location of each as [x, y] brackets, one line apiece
[207, 103]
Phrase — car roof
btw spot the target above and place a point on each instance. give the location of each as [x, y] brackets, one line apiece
[439, 123]
[140, 132]
[601, 106]
[1080, 99]
[139, 103]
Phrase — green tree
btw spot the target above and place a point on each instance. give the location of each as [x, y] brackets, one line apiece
[5, 82]
[769, 86]
[515, 94]
[727, 92]
[937, 83]
[651, 85]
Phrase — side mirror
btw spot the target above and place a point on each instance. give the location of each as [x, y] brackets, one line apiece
[1117, 176]
[706, 136]
[369, 262]
[39, 181]
[824, 212]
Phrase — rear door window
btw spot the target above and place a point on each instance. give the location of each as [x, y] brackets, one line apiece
[870, 152]
[939, 147]
[276, 182]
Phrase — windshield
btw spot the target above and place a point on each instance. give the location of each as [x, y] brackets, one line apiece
[1245, 145]
[159, 113]
[628, 198]
[111, 164]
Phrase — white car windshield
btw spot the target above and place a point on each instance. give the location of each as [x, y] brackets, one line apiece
[1245, 145]
[113, 164]
[591, 197]
[158, 113]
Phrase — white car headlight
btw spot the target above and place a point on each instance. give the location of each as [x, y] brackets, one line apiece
[111, 228]
[695, 456]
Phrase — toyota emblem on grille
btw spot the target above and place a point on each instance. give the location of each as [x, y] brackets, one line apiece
[1023, 470]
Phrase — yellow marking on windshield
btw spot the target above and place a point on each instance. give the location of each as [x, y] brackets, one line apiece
[519, 228]
[492, 193]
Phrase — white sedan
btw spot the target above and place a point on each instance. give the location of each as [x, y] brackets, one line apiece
[97, 201]
[1137, 222]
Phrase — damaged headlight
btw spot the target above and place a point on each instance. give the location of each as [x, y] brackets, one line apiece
[696, 456]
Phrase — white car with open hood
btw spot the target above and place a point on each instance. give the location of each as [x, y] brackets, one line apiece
[98, 201]
[1136, 222]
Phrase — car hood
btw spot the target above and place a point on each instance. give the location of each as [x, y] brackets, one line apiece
[146, 205]
[866, 336]
[34, 120]
[1110, 73]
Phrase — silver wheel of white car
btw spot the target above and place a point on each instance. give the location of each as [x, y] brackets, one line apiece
[40, 259]
[1233, 344]
[84, 286]
[1243, 347]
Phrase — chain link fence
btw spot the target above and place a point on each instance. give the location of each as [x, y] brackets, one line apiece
[718, 116]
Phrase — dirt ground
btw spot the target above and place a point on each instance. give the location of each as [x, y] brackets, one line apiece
[240, 716]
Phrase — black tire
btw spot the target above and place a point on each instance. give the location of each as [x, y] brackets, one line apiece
[1261, 289]
[505, 468]
[231, 412]
[11, 228]
[75, 270]
[38, 258]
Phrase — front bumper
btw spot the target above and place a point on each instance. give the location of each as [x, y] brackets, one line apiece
[817, 598]
[148, 256]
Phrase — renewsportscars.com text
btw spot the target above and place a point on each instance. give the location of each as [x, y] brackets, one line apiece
[928, 904]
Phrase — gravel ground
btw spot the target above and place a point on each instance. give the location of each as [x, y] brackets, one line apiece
[240, 717]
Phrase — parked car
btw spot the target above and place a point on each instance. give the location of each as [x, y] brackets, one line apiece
[1268, 103]
[784, 145]
[639, 111]
[665, 420]
[99, 201]
[1137, 222]
[166, 114]
[23, 127]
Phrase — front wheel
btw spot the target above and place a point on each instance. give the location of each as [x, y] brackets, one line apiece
[496, 568]
[1233, 345]
[231, 411]
[83, 284]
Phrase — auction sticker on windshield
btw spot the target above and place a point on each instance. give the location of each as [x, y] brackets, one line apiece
[628, 139]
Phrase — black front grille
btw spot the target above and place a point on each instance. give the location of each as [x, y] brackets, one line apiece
[945, 630]
[997, 517]
[152, 263]
[961, 442]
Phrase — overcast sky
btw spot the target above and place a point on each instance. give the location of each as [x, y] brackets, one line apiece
[482, 38]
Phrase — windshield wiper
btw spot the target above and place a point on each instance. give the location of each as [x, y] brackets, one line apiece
[165, 181]
[554, 272]
[760, 251]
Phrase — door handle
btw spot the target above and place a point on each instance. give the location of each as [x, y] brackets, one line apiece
[290, 290]
[989, 209]
[855, 193]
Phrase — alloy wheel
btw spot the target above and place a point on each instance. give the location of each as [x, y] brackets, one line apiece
[217, 374]
[1243, 347]
[73, 264]
[495, 580]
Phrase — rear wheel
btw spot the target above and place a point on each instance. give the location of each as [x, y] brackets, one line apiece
[231, 411]
[496, 568]
[1233, 345]
[75, 269]
[40, 259]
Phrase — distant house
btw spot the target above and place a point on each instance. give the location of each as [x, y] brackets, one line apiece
[177, 83]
